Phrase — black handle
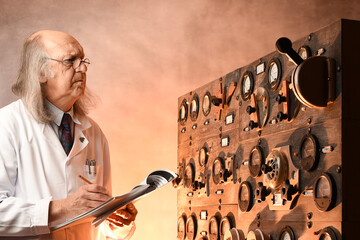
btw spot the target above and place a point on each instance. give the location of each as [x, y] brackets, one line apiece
[284, 46]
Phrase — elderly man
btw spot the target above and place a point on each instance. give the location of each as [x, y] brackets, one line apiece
[47, 142]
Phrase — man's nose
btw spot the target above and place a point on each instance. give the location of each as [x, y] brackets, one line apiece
[82, 68]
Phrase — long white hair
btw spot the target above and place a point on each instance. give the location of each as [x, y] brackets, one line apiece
[34, 65]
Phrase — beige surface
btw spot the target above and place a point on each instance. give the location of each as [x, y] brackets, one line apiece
[144, 55]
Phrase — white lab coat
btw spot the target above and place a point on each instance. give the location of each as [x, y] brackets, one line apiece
[34, 169]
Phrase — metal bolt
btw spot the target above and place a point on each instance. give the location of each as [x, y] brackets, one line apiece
[309, 120]
[309, 130]
[309, 224]
[259, 133]
[309, 37]
[240, 103]
[258, 216]
[338, 68]
[258, 224]
[309, 215]
[339, 169]
[259, 142]
[190, 143]
[237, 97]
[219, 207]
[239, 180]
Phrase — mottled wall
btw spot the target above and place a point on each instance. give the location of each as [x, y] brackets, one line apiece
[144, 55]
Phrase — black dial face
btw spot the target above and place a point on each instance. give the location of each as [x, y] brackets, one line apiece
[191, 228]
[247, 85]
[203, 156]
[206, 105]
[309, 153]
[245, 196]
[255, 161]
[189, 175]
[194, 108]
[183, 112]
[304, 52]
[181, 228]
[274, 74]
[218, 170]
[213, 229]
[324, 191]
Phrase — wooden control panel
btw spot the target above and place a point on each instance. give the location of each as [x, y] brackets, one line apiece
[269, 151]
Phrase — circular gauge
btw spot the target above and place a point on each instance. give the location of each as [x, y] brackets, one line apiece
[183, 112]
[263, 106]
[225, 226]
[304, 52]
[309, 153]
[206, 106]
[194, 107]
[276, 169]
[181, 228]
[234, 234]
[287, 234]
[324, 192]
[274, 74]
[327, 234]
[203, 156]
[213, 228]
[218, 170]
[189, 175]
[255, 235]
[191, 228]
[247, 85]
[256, 160]
[245, 196]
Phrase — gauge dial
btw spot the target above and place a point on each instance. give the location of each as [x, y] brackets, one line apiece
[213, 228]
[263, 106]
[274, 74]
[247, 85]
[255, 235]
[327, 234]
[203, 156]
[276, 169]
[183, 112]
[191, 228]
[234, 234]
[309, 153]
[181, 228]
[245, 196]
[218, 170]
[194, 107]
[256, 160]
[324, 192]
[287, 234]
[304, 52]
[225, 226]
[189, 175]
[206, 106]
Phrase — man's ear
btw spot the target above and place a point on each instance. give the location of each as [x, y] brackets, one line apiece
[43, 78]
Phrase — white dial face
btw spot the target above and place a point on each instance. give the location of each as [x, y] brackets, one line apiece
[193, 106]
[206, 103]
[274, 73]
[182, 112]
[247, 84]
[286, 236]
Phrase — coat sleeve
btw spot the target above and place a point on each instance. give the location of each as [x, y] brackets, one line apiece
[19, 217]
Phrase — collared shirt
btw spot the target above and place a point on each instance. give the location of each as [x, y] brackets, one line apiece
[58, 115]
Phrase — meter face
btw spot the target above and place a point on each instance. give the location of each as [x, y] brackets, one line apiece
[324, 192]
[203, 156]
[191, 228]
[194, 108]
[247, 85]
[245, 196]
[189, 175]
[206, 106]
[217, 170]
[183, 112]
[274, 74]
[181, 228]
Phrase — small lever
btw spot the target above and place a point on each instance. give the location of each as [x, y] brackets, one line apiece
[284, 46]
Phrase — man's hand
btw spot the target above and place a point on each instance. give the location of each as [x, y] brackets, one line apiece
[86, 198]
[123, 216]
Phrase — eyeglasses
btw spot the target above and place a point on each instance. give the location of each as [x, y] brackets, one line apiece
[74, 63]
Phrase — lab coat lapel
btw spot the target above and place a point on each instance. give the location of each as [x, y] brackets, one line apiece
[80, 140]
[51, 137]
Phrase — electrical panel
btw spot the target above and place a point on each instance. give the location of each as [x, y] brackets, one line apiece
[269, 151]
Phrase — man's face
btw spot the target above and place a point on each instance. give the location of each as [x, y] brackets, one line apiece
[68, 84]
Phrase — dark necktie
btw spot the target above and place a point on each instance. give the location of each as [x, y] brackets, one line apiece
[66, 138]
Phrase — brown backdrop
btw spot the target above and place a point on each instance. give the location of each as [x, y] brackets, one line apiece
[146, 53]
